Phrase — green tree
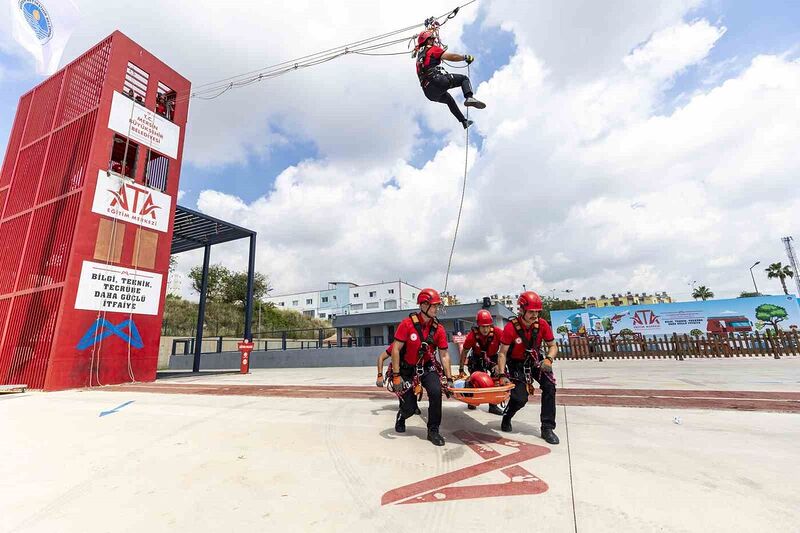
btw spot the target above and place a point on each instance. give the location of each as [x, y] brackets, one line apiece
[702, 292]
[554, 304]
[771, 314]
[747, 294]
[777, 270]
[607, 324]
[234, 289]
[562, 330]
[626, 332]
[217, 279]
[696, 332]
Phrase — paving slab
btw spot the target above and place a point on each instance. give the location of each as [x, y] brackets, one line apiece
[191, 462]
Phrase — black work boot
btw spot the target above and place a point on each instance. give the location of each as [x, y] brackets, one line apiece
[506, 424]
[493, 409]
[467, 123]
[400, 423]
[474, 102]
[417, 411]
[435, 438]
[549, 436]
[471, 407]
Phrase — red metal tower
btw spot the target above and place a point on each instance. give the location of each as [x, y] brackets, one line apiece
[87, 195]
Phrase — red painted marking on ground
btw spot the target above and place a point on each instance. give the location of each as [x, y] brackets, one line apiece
[788, 402]
[438, 488]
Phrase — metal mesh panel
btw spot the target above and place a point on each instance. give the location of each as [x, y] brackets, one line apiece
[12, 240]
[3, 195]
[29, 338]
[43, 109]
[16, 137]
[49, 243]
[84, 83]
[65, 169]
[26, 178]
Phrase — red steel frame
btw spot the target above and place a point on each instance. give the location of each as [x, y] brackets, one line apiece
[59, 142]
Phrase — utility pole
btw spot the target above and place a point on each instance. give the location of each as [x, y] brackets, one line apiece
[787, 241]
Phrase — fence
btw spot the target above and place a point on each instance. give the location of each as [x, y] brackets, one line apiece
[676, 346]
[292, 339]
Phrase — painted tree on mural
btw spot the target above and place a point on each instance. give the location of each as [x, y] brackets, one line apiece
[771, 314]
[696, 332]
[562, 330]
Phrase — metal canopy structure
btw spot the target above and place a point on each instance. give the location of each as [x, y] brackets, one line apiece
[193, 230]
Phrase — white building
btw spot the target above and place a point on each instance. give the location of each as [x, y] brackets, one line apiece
[344, 298]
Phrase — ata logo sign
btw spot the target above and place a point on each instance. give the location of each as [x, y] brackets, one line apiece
[645, 318]
[120, 198]
[129, 191]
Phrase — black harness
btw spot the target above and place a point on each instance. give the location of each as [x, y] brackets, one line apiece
[481, 360]
[426, 73]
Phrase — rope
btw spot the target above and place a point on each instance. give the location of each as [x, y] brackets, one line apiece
[569, 457]
[212, 90]
[461, 204]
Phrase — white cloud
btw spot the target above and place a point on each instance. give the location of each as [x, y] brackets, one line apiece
[573, 139]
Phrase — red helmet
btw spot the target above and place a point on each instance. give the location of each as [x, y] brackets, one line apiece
[429, 296]
[481, 380]
[424, 36]
[484, 318]
[529, 301]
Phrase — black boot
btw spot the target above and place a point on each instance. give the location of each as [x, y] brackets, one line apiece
[493, 409]
[506, 425]
[474, 102]
[471, 407]
[435, 438]
[467, 123]
[400, 423]
[549, 436]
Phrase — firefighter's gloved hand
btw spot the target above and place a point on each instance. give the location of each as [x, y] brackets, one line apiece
[495, 371]
[398, 384]
[448, 386]
[547, 365]
[469, 59]
[379, 381]
[461, 374]
[504, 380]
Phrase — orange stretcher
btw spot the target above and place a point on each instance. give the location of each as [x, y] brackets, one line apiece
[476, 397]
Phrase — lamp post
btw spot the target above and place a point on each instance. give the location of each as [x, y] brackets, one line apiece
[752, 276]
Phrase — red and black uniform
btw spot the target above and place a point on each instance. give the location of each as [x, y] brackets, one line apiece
[436, 81]
[484, 349]
[522, 360]
[417, 356]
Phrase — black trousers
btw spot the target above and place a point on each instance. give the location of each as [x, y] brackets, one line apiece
[433, 386]
[479, 364]
[519, 394]
[436, 90]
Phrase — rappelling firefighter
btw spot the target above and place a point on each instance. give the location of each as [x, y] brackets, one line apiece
[436, 82]
[521, 353]
[480, 350]
[416, 340]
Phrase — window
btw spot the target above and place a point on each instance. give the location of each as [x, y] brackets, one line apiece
[388, 305]
[357, 307]
[309, 314]
[372, 294]
[413, 295]
[324, 299]
[322, 315]
[281, 304]
[155, 175]
[165, 101]
[309, 301]
[119, 159]
[334, 298]
[135, 86]
[355, 295]
[391, 291]
[294, 303]
[373, 305]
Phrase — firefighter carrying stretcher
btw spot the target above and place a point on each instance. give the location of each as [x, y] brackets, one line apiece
[416, 340]
[480, 350]
[520, 347]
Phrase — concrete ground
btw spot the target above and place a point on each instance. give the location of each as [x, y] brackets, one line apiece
[182, 461]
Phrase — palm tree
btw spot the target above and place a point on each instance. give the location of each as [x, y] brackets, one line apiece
[777, 270]
[702, 292]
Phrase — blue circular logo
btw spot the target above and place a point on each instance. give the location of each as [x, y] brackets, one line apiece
[38, 19]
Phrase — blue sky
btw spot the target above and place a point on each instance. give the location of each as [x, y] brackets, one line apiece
[574, 142]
